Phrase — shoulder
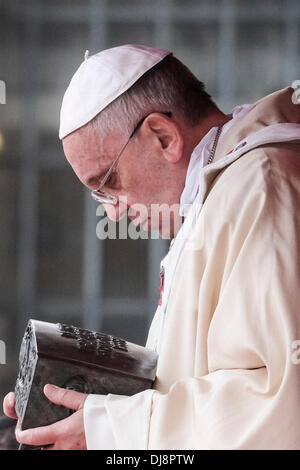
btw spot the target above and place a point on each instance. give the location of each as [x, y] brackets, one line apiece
[267, 169]
[259, 192]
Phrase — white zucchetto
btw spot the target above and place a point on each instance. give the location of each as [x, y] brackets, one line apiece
[100, 79]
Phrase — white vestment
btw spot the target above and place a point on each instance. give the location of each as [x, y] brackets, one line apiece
[228, 374]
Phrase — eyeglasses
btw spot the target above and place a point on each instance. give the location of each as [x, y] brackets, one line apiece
[102, 196]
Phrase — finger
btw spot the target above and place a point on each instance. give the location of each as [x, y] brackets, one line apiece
[62, 396]
[41, 436]
[9, 404]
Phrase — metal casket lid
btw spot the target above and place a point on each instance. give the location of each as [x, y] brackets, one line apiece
[80, 346]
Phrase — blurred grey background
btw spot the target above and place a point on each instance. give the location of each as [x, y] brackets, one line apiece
[52, 266]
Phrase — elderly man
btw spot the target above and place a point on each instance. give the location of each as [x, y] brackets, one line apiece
[138, 128]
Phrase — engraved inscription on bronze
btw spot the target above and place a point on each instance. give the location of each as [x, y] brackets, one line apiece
[101, 344]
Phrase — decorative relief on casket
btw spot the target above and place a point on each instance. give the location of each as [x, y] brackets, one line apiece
[102, 344]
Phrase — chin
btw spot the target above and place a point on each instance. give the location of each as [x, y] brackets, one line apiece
[166, 233]
[165, 225]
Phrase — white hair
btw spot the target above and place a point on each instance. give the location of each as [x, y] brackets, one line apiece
[168, 87]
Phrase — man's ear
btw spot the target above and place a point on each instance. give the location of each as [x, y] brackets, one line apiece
[166, 133]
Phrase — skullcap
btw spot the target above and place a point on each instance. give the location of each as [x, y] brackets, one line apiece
[100, 79]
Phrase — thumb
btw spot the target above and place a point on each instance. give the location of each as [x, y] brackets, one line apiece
[62, 396]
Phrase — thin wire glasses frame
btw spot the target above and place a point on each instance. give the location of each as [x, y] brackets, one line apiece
[102, 196]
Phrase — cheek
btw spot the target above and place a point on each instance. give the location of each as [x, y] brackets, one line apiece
[143, 181]
[144, 194]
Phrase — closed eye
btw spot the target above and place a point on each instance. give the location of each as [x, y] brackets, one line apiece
[112, 180]
[95, 181]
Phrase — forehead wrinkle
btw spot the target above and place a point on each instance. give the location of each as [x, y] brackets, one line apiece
[102, 156]
[91, 155]
[94, 160]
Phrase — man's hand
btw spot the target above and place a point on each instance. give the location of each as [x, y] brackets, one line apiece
[67, 434]
[9, 404]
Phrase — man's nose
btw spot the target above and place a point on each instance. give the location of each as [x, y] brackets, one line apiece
[116, 212]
